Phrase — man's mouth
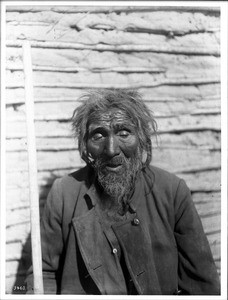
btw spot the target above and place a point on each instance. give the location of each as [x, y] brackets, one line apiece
[113, 167]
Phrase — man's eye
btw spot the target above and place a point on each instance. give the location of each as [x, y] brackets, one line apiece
[123, 133]
[97, 136]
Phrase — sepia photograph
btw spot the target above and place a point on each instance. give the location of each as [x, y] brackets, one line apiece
[113, 149]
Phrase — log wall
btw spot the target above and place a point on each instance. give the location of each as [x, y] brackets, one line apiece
[171, 54]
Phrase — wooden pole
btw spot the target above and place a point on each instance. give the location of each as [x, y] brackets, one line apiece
[33, 182]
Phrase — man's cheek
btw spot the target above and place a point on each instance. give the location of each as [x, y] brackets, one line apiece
[95, 150]
[130, 147]
[131, 151]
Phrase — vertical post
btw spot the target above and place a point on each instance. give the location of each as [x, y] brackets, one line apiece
[32, 162]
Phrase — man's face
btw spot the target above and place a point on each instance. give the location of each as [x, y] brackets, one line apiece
[114, 146]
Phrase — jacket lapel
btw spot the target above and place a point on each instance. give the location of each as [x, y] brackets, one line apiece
[89, 237]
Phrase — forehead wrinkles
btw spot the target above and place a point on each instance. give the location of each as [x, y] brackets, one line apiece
[110, 118]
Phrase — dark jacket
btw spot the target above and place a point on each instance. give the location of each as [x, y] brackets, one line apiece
[165, 252]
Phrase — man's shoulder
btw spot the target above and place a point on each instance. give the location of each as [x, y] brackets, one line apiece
[163, 180]
[81, 174]
[73, 180]
[166, 185]
[163, 176]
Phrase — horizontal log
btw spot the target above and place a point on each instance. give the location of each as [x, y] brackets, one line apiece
[208, 205]
[84, 79]
[45, 160]
[64, 110]
[17, 216]
[42, 144]
[153, 22]
[18, 197]
[18, 233]
[14, 251]
[101, 61]
[148, 22]
[207, 198]
[19, 179]
[21, 215]
[209, 105]
[110, 9]
[206, 212]
[210, 50]
[44, 111]
[208, 102]
[166, 93]
[15, 267]
[203, 181]
[42, 129]
[211, 224]
[11, 268]
[18, 67]
[186, 160]
[172, 93]
[189, 123]
[182, 76]
[201, 140]
[16, 96]
[133, 85]
[140, 22]
[201, 42]
[208, 10]
[16, 79]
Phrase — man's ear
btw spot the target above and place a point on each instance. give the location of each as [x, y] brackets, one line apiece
[87, 157]
[144, 156]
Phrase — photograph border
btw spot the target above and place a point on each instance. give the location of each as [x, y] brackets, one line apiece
[224, 24]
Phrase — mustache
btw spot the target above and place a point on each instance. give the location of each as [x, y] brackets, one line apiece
[115, 161]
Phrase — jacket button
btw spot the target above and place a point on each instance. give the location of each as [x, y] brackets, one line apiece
[114, 251]
[136, 221]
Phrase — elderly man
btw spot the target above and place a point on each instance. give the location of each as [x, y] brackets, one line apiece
[119, 226]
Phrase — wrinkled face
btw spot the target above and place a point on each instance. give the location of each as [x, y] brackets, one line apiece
[112, 135]
[114, 146]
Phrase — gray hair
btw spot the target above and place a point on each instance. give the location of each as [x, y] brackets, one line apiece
[128, 101]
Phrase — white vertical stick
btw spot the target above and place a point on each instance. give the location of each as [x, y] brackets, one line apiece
[33, 182]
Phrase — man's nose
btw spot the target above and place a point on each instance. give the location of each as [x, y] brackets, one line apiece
[112, 147]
